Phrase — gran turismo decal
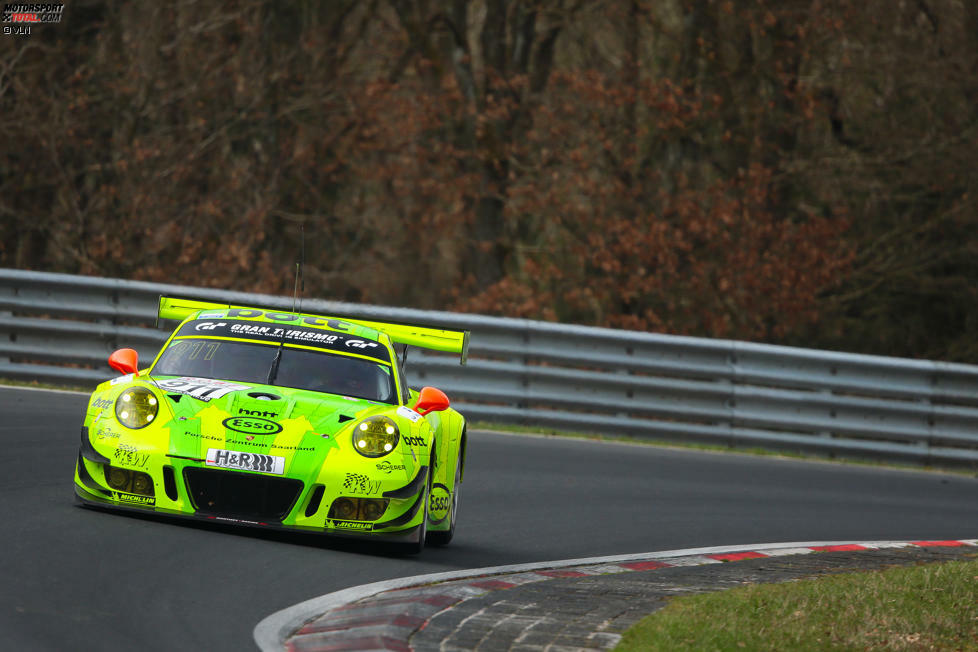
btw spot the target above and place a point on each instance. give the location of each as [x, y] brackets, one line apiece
[226, 459]
[208, 326]
[265, 332]
[252, 425]
[202, 389]
[356, 483]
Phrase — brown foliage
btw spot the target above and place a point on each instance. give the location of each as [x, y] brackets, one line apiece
[797, 171]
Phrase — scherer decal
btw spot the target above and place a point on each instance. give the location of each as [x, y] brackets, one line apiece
[103, 434]
[387, 467]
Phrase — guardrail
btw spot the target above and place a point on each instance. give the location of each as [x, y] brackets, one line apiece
[559, 376]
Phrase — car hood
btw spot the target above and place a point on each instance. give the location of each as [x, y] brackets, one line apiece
[300, 426]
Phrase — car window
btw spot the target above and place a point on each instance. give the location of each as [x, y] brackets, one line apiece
[299, 368]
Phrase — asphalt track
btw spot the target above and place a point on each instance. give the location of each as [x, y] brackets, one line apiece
[81, 579]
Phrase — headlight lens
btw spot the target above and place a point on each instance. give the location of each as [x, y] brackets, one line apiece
[136, 407]
[375, 437]
[132, 482]
[358, 509]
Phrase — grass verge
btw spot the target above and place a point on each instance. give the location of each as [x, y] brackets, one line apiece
[926, 607]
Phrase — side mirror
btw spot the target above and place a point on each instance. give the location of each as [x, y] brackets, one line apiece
[431, 399]
[124, 360]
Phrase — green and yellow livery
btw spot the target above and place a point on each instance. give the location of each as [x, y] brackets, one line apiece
[267, 418]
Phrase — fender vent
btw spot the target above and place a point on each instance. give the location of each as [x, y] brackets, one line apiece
[170, 483]
[314, 500]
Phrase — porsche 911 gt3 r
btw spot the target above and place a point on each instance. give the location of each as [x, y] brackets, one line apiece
[264, 418]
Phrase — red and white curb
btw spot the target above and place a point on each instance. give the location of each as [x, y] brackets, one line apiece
[383, 615]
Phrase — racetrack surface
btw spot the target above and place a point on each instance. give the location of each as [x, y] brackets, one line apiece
[82, 579]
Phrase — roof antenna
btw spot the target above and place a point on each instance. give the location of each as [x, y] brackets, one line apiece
[299, 279]
[300, 283]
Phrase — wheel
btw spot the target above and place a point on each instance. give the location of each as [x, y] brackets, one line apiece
[443, 537]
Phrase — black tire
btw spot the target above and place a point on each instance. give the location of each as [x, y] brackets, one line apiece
[444, 537]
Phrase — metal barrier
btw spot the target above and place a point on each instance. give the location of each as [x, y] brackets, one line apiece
[559, 376]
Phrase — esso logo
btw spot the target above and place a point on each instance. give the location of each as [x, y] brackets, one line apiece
[439, 501]
[252, 425]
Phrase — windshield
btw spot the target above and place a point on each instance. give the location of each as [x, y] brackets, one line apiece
[319, 371]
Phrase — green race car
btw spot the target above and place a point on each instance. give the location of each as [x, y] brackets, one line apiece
[260, 417]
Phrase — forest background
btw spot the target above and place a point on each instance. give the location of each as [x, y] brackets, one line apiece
[788, 171]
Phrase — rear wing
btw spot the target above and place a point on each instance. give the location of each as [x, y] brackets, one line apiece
[426, 337]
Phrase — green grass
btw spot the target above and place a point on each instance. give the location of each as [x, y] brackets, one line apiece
[926, 607]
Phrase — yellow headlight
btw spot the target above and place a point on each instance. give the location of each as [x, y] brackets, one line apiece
[117, 478]
[136, 407]
[375, 437]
